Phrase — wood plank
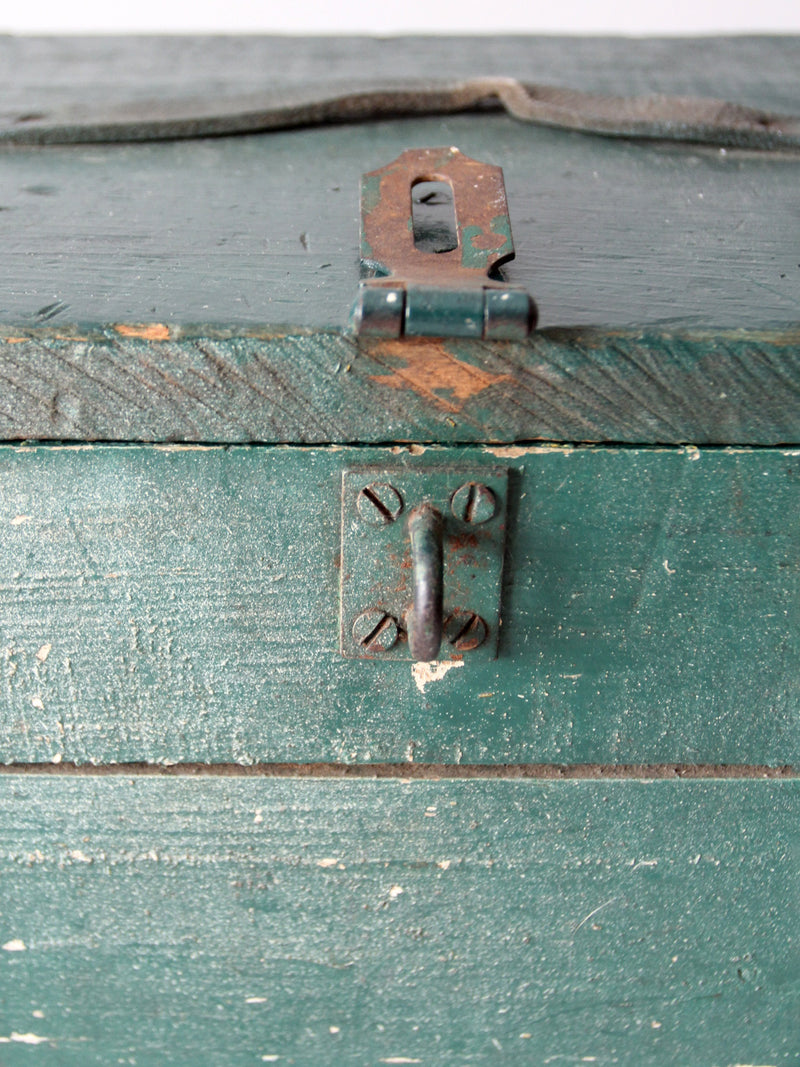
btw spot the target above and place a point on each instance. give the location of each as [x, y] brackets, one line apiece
[241, 921]
[134, 383]
[168, 604]
[243, 231]
[43, 72]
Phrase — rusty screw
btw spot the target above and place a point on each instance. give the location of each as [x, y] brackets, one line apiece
[375, 631]
[465, 630]
[473, 503]
[379, 503]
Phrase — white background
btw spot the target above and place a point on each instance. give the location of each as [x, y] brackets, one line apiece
[401, 16]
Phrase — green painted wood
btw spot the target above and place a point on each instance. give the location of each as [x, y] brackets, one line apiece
[181, 604]
[159, 383]
[39, 73]
[264, 229]
[233, 921]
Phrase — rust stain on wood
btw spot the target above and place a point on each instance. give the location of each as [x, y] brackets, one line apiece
[155, 331]
[428, 369]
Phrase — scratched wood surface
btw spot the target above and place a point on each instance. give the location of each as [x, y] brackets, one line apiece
[236, 233]
[155, 383]
[170, 605]
[262, 229]
[181, 604]
[233, 921]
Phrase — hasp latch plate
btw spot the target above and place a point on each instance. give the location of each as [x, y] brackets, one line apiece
[382, 580]
[416, 287]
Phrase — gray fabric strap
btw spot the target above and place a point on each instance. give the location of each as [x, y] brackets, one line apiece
[666, 118]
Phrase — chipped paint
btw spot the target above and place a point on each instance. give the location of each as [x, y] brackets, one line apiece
[18, 520]
[426, 673]
[411, 450]
[23, 1039]
[44, 652]
[428, 369]
[16, 945]
[155, 331]
[172, 447]
[517, 451]
[329, 861]
[399, 1059]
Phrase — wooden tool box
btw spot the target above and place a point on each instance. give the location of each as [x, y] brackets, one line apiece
[239, 823]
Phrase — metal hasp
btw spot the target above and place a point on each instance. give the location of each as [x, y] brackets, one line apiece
[408, 291]
[422, 562]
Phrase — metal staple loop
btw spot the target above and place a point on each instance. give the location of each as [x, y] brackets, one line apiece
[665, 118]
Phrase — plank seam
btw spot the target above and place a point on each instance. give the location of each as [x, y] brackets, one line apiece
[425, 771]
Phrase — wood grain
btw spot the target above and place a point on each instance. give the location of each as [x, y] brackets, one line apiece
[247, 231]
[153, 382]
[234, 921]
[169, 604]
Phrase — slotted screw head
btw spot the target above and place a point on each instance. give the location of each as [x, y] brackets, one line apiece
[474, 503]
[379, 503]
[375, 631]
[465, 630]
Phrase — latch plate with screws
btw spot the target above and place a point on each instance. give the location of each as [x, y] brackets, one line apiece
[378, 586]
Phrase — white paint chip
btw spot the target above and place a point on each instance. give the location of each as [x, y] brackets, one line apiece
[19, 519]
[329, 861]
[14, 946]
[426, 673]
[38, 703]
[399, 1059]
[258, 817]
[444, 864]
[271, 1058]
[23, 1039]
[333, 1029]
[44, 652]
[256, 1000]
[396, 891]
[667, 568]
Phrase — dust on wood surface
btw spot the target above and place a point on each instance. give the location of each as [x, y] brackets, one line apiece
[241, 921]
[181, 604]
[154, 382]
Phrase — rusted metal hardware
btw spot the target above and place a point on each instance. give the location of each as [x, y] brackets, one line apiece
[423, 565]
[409, 290]
[91, 119]
[425, 528]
